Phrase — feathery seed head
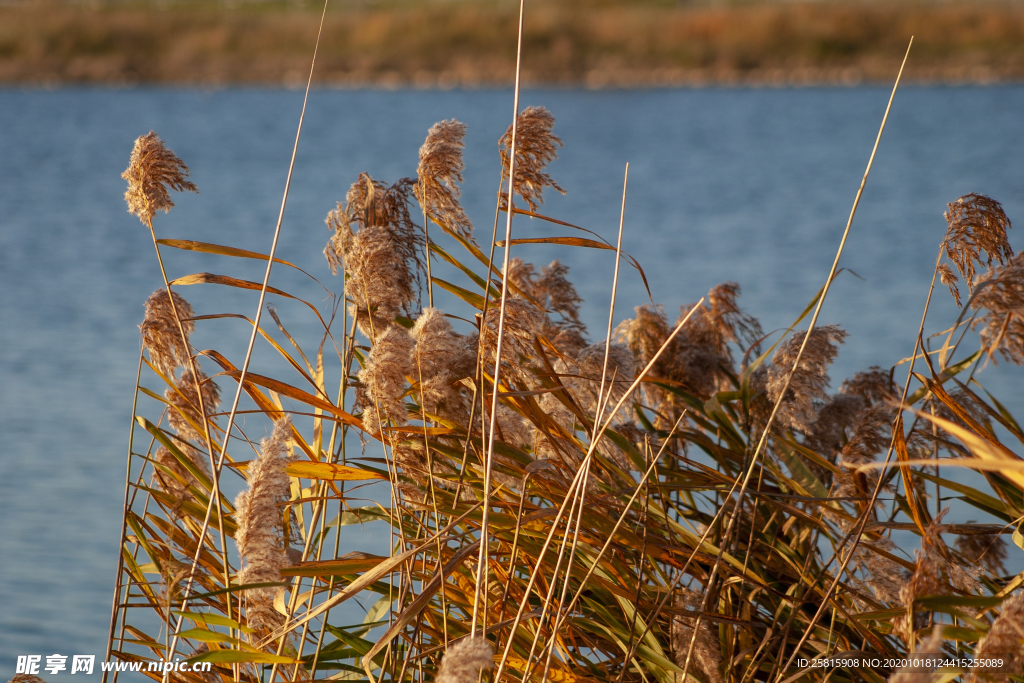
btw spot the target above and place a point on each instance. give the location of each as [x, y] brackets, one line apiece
[810, 378]
[522, 322]
[152, 169]
[440, 172]
[160, 333]
[383, 379]
[706, 657]
[26, 678]
[536, 147]
[183, 413]
[464, 661]
[976, 224]
[1000, 293]
[1005, 637]
[949, 278]
[439, 360]
[260, 521]
[986, 550]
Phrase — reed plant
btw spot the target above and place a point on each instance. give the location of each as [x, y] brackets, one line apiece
[669, 498]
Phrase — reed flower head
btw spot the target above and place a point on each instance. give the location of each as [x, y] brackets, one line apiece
[183, 413]
[985, 550]
[949, 278]
[172, 476]
[523, 321]
[1004, 637]
[383, 379]
[26, 678]
[810, 378]
[160, 333]
[260, 534]
[382, 258]
[536, 147]
[618, 377]
[912, 673]
[552, 290]
[976, 224]
[706, 657]
[1000, 293]
[440, 172]
[464, 660]
[441, 358]
[153, 168]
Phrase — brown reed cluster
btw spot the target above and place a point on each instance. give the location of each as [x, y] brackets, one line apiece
[151, 171]
[985, 550]
[260, 521]
[168, 352]
[536, 147]
[702, 649]
[807, 378]
[464, 661]
[382, 257]
[1000, 295]
[439, 174]
[977, 234]
[1004, 638]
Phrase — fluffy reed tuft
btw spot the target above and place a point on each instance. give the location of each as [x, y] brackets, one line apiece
[523, 321]
[949, 278]
[26, 678]
[987, 550]
[381, 259]
[706, 658]
[439, 173]
[1004, 637]
[810, 378]
[976, 224]
[1000, 293]
[536, 147]
[464, 660]
[921, 674]
[160, 334]
[152, 169]
[260, 534]
[183, 413]
[441, 358]
[383, 379]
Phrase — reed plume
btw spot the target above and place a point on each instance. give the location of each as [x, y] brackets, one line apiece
[151, 170]
[810, 379]
[439, 174]
[383, 379]
[441, 358]
[260, 534]
[523, 321]
[536, 147]
[183, 413]
[949, 278]
[977, 224]
[1000, 294]
[26, 678]
[160, 334]
[381, 259]
[1004, 637]
[706, 657]
[986, 550]
[921, 674]
[464, 660]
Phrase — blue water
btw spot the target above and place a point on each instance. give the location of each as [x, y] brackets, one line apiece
[725, 184]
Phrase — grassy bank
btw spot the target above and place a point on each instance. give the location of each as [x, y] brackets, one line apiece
[473, 44]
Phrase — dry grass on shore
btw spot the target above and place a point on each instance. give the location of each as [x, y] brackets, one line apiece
[472, 44]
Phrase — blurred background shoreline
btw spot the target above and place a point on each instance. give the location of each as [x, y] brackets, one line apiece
[471, 43]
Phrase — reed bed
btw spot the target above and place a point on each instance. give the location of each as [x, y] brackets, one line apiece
[672, 497]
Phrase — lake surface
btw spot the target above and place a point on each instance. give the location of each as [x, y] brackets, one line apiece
[748, 185]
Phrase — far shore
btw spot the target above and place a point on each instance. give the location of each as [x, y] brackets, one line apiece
[469, 44]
